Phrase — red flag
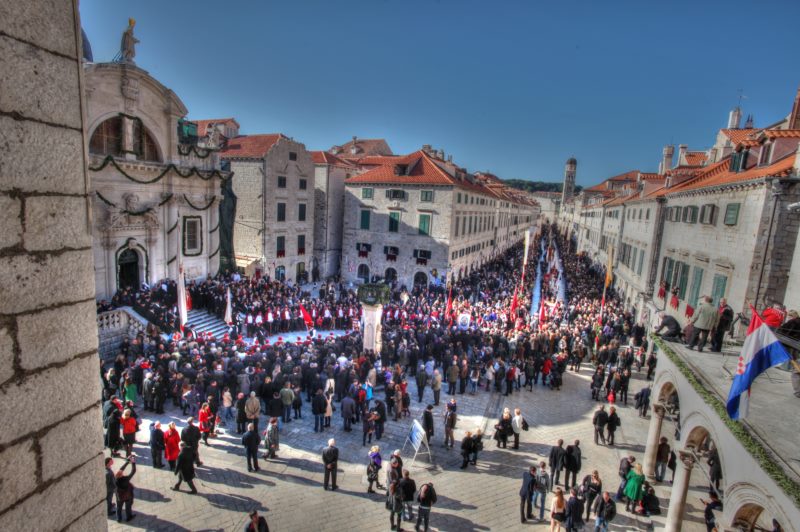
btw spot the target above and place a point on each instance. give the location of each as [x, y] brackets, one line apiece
[309, 321]
[514, 305]
[188, 301]
[449, 307]
[542, 314]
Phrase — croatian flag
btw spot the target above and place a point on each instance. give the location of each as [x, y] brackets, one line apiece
[761, 351]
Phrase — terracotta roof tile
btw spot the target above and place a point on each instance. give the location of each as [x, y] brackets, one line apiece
[250, 146]
[781, 133]
[627, 176]
[695, 158]
[323, 157]
[202, 125]
[720, 174]
[738, 135]
[364, 147]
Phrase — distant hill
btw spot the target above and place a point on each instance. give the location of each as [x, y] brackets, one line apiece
[536, 186]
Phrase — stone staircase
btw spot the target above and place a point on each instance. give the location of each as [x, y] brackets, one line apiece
[201, 321]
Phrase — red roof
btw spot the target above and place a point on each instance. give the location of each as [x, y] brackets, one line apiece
[627, 176]
[420, 170]
[323, 157]
[363, 147]
[720, 174]
[782, 133]
[738, 135]
[695, 158]
[251, 146]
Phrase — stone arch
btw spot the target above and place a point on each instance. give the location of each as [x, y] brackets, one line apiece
[149, 141]
[664, 386]
[143, 261]
[752, 506]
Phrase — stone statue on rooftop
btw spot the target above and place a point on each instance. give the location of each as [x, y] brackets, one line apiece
[128, 46]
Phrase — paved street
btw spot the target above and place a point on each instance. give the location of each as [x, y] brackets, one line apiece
[288, 491]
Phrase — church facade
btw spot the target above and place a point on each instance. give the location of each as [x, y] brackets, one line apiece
[155, 186]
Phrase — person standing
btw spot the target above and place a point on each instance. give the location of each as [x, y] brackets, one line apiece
[612, 425]
[572, 464]
[526, 492]
[422, 380]
[574, 512]
[394, 503]
[251, 441]
[591, 486]
[633, 487]
[348, 412]
[409, 488]
[380, 418]
[452, 378]
[427, 422]
[204, 419]
[466, 449]
[449, 426]
[241, 414]
[172, 442]
[368, 426]
[426, 499]
[190, 435]
[185, 468]
[642, 399]
[625, 466]
[436, 386]
[662, 458]
[374, 468]
[542, 486]
[287, 398]
[318, 406]
[330, 460]
[272, 439]
[252, 409]
[556, 462]
[600, 420]
[605, 510]
[111, 486]
[124, 490]
[129, 429]
[518, 424]
[708, 511]
[705, 318]
[558, 511]
[723, 324]
[157, 445]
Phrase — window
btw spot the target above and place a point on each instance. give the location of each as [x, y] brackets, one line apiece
[107, 138]
[666, 272]
[301, 244]
[363, 273]
[641, 262]
[396, 194]
[458, 197]
[690, 215]
[718, 288]
[391, 252]
[458, 222]
[280, 248]
[708, 214]
[677, 212]
[697, 281]
[281, 212]
[426, 195]
[682, 279]
[766, 154]
[292, 156]
[301, 212]
[394, 221]
[303, 184]
[425, 224]
[280, 273]
[732, 213]
[647, 214]
[365, 213]
[367, 193]
[192, 235]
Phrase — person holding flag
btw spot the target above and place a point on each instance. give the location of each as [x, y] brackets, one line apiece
[761, 351]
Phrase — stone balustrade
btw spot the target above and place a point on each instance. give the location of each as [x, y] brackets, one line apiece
[113, 326]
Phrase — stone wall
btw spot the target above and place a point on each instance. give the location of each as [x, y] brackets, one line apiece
[51, 449]
[248, 187]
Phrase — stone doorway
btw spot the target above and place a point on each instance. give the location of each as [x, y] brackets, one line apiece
[128, 267]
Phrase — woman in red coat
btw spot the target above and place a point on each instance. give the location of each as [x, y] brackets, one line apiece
[204, 418]
[128, 423]
[172, 440]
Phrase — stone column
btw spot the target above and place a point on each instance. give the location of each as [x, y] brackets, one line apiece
[677, 500]
[213, 238]
[653, 436]
[372, 326]
[171, 239]
[111, 266]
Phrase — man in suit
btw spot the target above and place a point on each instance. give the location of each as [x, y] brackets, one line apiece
[190, 435]
[251, 441]
[572, 464]
[157, 445]
[723, 324]
[526, 493]
[427, 422]
[600, 420]
[185, 468]
[556, 463]
[330, 459]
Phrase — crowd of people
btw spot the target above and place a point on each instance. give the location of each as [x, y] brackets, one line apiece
[476, 336]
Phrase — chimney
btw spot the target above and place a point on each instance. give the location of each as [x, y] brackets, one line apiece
[427, 148]
[666, 159]
[682, 149]
[734, 118]
[449, 158]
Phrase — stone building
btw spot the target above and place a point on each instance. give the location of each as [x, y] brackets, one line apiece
[51, 446]
[156, 189]
[274, 184]
[419, 218]
[330, 173]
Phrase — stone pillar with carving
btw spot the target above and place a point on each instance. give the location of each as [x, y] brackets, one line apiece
[111, 265]
[213, 235]
[653, 437]
[171, 235]
[677, 499]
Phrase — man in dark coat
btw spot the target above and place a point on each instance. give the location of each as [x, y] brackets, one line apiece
[124, 488]
[185, 468]
[723, 324]
[427, 422]
[613, 423]
[673, 328]
[574, 511]
[526, 493]
[556, 462]
[111, 486]
[422, 380]
[241, 416]
[348, 412]
[600, 420]
[251, 441]
[642, 399]
[318, 406]
[330, 459]
[157, 445]
[625, 465]
[190, 435]
[572, 464]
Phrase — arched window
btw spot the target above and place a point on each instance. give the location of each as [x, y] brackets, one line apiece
[363, 273]
[390, 275]
[107, 139]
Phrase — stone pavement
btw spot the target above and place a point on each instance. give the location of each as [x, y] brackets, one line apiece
[288, 491]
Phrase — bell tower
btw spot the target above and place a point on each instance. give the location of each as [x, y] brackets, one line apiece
[569, 180]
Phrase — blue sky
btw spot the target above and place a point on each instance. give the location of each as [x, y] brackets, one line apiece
[512, 87]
